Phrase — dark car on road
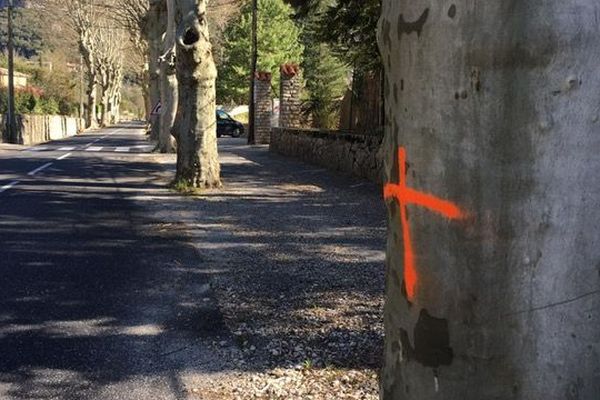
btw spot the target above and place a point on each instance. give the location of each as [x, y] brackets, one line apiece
[228, 126]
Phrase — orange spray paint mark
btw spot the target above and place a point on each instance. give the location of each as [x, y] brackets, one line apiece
[405, 196]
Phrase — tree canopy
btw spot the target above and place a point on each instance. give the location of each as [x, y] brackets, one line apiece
[324, 71]
[278, 43]
[350, 28]
[27, 37]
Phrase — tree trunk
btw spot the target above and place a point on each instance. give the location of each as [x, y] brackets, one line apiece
[104, 111]
[493, 280]
[166, 142]
[85, 49]
[156, 27]
[146, 94]
[115, 107]
[114, 100]
[168, 84]
[91, 119]
[195, 123]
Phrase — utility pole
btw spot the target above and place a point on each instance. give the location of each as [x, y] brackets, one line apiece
[13, 136]
[251, 124]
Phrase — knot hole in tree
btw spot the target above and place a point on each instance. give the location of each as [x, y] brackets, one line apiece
[191, 36]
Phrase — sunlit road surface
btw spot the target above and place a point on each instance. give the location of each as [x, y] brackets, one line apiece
[95, 299]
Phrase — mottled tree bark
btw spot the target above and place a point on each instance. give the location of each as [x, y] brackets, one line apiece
[146, 95]
[91, 119]
[155, 27]
[104, 94]
[195, 123]
[87, 51]
[104, 110]
[109, 64]
[495, 108]
[168, 84]
[115, 100]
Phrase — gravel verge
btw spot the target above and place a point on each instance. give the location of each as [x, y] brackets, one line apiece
[296, 255]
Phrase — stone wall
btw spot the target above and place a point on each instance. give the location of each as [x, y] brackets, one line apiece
[355, 154]
[42, 128]
[263, 108]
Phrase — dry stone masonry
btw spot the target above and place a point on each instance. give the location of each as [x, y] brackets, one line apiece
[263, 107]
[359, 155]
[289, 96]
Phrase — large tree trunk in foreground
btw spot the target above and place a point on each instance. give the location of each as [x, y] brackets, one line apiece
[493, 285]
[155, 29]
[168, 84]
[195, 125]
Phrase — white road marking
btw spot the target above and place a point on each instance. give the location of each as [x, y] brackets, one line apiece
[35, 171]
[42, 148]
[66, 148]
[64, 156]
[94, 148]
[8, 186]
[89, 145]
[122, 149]
[358, 185]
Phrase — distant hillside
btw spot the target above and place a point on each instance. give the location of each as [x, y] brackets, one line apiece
[28, 40]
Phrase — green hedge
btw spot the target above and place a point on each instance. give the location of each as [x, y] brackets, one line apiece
[32, 100]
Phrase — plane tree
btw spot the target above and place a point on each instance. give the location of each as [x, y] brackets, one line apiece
[491, 159]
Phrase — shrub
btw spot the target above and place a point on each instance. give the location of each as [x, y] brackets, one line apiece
[33, 100]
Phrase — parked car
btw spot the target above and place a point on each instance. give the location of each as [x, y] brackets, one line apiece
[228, 126]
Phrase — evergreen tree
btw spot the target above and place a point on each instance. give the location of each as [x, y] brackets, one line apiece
[350, 28]
[325, 73]
[27, 35]
[278, 43]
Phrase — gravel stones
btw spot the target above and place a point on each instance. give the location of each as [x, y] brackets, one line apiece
[297, 259]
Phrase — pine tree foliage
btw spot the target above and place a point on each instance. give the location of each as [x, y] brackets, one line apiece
[278, 43]
[27, 35]
[325, 73]
[350, 28]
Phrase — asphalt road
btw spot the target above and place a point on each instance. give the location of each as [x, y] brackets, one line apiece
[97, 301]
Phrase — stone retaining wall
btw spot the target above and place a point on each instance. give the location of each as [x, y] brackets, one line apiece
[358, 155]
[42, 128]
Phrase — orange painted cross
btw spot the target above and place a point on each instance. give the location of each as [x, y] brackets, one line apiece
[405, 196]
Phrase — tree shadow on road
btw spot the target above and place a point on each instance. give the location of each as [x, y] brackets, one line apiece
[113, 279]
